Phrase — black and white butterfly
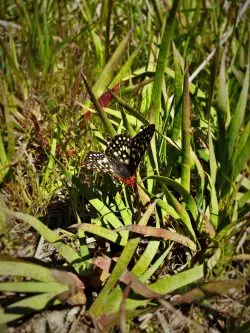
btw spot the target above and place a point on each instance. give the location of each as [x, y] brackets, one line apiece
[122, 156]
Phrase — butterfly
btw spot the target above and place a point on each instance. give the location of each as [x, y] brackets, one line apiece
[122, 155]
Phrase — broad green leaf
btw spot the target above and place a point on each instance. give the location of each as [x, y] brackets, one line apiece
[33, 287]
[17, 267]
[27, 306]
[120, 239]
[65, 250]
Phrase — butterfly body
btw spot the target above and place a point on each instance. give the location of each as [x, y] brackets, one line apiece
[122, 156]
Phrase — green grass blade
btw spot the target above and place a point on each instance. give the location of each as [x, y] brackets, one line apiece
[125, 212]
[168, 209]
[158, 15]
[97, 307]
[212, 158]
[126, 68]
[179, 69]
[161, 63]
[187, 197]
[147, 256]
[164, 286]
[130, 110]
[237, 118]
[107, 6]
[9, 110]
[51, 162]
[243, 151]
[186, 130]
[214, 207]
[99, 109]
[200, 189]
[184, 217]
[168, 284]
[95, 39]
[106, 76]
[3, 160]
[222, 98]
[105, 213]
[152, 269]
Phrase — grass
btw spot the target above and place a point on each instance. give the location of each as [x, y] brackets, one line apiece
[73, 75]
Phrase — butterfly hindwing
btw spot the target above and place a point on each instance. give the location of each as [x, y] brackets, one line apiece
[123, 154]
[97, 161]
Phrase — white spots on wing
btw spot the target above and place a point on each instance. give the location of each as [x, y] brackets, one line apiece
[121, 153]
[127, 149]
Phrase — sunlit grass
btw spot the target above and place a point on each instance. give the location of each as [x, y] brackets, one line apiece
[182, 66]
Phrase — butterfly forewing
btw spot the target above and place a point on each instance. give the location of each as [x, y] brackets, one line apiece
[139, 145]
[123, 154]
[120, 148]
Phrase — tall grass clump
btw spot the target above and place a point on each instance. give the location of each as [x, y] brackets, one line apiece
[73, 75]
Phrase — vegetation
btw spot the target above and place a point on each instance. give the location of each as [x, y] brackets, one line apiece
[73, 75]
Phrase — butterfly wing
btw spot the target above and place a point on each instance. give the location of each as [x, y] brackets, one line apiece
[98, 162]
[118, 151]
[139, 145]
[120, 148]
[123, 154]
[106, 163]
